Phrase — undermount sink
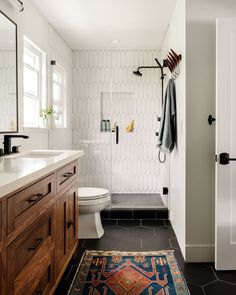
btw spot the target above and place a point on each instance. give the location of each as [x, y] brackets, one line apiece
[32, 155]
[36, 154]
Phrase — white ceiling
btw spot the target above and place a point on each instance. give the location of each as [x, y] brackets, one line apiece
[95, 23]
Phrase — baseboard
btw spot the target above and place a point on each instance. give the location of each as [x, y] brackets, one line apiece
[200, 253]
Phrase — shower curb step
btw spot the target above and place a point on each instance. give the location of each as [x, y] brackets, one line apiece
[134, 214]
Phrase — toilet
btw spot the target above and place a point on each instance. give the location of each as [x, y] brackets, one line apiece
[92, 201]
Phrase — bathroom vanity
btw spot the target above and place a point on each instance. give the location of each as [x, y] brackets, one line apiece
[38, 219]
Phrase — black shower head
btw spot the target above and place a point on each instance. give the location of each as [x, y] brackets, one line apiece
[137, 73]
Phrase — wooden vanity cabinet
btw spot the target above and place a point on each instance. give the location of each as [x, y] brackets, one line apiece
[39, 233]
[1, 264]
[67, 227]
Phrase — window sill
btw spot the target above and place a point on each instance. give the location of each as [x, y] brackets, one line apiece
[35, 129]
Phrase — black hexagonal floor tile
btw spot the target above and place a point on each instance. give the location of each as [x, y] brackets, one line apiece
[174, 243]
[168, 223]
[153, 223]
[111, 244]
[227, 276]
[195, 290]
[220, 288]
[155, 244]
[129, 223]
[108, 223]
[141, 232]
[198, 274]
[164, 232]
[116, 232]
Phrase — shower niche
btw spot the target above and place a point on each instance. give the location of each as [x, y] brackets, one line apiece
[116, 109]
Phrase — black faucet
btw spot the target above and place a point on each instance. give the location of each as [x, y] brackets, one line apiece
[7, 142]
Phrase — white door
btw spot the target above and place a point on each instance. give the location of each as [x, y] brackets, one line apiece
[225, 251]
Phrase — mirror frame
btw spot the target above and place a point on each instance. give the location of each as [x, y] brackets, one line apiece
[17, 107]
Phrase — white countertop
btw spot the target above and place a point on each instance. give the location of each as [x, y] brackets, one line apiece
[17, 171]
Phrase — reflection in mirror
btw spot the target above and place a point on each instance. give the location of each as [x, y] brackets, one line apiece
[8, 75]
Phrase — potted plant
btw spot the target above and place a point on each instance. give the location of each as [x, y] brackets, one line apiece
[46, 115]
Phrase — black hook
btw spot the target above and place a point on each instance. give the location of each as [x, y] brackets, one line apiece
[211, 119]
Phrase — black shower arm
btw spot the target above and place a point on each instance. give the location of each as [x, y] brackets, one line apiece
[162, 75]
[154, 67]
[148, 67]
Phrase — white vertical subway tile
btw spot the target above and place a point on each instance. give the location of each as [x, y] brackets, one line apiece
[131, 166]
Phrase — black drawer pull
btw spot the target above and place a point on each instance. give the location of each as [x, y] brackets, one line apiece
[35, 198]
[70, 223]
[38, 242]
[38, 292]
[68, 174]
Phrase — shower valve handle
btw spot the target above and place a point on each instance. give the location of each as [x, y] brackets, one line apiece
[117, 134]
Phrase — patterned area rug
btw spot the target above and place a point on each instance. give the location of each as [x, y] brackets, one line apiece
[128, 273]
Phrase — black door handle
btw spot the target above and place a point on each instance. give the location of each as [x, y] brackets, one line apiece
[117, 134]
[225, 159]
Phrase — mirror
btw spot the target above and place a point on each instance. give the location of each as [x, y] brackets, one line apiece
[8, 75]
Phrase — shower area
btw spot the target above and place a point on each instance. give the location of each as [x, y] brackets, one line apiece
[115, 122]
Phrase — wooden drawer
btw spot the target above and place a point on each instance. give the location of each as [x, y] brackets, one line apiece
[31, 256]
[26, 206]
[66, 175]
[44, 285]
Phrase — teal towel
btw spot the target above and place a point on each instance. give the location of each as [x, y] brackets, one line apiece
[167, 133]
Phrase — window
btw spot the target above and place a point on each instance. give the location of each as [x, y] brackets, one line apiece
[59, 96]
[34, 61]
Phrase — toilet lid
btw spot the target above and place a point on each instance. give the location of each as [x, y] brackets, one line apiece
[92, 193]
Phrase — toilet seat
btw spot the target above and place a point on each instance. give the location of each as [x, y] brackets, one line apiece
[92, 193]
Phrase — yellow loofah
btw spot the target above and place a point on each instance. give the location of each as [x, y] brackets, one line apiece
[130, 127]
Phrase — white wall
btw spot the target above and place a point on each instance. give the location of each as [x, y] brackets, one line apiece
[61, 138]
[8, 89]
[131, 166]
[201, 16]
[176, 39]
[32, 24]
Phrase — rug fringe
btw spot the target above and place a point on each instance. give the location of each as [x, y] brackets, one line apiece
[107, 253]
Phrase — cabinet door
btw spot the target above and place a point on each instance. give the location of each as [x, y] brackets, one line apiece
[72, 218]
[1, 272]
[30, 259]
[67, 227]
